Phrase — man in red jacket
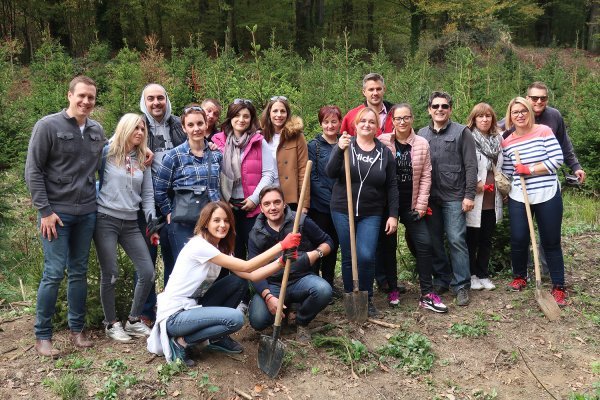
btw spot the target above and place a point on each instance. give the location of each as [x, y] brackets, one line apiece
[373, 90]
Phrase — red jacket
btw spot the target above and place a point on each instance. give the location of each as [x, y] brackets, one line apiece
[348, 121]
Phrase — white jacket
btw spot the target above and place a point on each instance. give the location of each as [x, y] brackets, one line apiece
[474, 216]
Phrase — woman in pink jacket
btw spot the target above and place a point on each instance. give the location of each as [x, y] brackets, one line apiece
[413, 176]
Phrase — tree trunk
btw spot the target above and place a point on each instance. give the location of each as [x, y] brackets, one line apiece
[593, 27]
[415, 27]
[304, 27]
[370, 25]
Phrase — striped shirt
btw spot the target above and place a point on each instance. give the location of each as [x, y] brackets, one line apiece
[181, 168]
[537, 146]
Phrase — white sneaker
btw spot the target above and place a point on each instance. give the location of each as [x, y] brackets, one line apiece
[138, 328]
[117, 333]
[476, 283]
[243, 307]
[487, 284]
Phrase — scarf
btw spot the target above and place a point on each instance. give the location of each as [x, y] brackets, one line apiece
[487, 145]
[232, 160]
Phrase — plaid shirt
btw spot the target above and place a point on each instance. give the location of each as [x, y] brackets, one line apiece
[181, 168]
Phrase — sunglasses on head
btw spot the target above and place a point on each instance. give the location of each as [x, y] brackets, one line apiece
[535, 99]
[192, 108]
[242, 101]
[444, 106]
[279, 98]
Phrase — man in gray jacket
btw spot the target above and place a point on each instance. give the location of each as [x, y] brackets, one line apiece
[62, 160]
[453, 183]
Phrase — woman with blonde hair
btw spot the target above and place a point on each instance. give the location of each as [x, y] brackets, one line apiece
[487, 210]
[125, 182]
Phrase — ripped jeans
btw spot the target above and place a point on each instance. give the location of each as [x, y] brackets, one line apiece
[109, 232]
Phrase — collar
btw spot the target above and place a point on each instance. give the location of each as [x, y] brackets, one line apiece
[442, 129]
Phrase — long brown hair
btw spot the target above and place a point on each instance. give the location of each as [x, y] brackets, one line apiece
[227, 244]
[268, 130]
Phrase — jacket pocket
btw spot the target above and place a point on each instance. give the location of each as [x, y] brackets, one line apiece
[450, 176]
[66, 144]
[97, 142]
[60, 179]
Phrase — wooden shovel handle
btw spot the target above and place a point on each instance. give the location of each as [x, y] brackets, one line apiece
[536, 256]
[288, 262]
[351, 219]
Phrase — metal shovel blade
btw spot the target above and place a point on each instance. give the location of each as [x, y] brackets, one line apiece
[356, 306]
[270, 355]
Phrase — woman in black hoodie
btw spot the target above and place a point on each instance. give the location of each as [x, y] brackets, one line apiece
[373, 180]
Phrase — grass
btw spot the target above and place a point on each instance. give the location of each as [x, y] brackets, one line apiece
[476, 328]
[411, 351]
[67, 387]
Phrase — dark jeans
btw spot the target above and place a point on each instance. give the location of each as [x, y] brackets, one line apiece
[216, 318]
[418, 233]
[311, 291]
[243, 226]
[548, 216]
[327, 264]
[179, 234]
[367, 232]
[386, 269]
[479, 242]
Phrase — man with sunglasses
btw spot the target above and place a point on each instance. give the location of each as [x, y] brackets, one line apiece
[62, 160]
[537, 94]
[453, 184]
[373, 88]
[164, 133]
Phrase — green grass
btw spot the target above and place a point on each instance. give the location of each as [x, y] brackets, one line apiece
[476, 328]
[581, 213]
[411, 352]
[67, 386]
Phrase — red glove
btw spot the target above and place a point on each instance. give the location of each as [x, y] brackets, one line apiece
[521, 169]
[291, 240]
[489, 188]
[429, 211]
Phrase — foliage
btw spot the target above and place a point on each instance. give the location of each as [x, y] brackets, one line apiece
[205, 384]
[67, 387]
[476, 328]
[117, 380]
[412, 351]
[166, 371]
[345, 349]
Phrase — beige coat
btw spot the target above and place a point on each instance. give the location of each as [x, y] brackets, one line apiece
[292, 154]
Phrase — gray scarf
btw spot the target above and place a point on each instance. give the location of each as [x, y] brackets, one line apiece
[488, 145]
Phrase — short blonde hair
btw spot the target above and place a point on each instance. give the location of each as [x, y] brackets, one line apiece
[522, 101]
[123, 131]
[363, 112]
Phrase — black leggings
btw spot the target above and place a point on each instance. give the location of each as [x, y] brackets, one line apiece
[479, 242]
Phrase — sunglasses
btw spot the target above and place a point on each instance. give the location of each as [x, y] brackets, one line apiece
[192, 108]
[279, 98]
[242, 101]
[444, 106]
[535, 99]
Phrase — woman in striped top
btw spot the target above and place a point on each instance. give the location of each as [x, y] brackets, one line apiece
[541, 157]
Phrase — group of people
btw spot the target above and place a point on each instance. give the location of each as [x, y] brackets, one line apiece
[221, 201]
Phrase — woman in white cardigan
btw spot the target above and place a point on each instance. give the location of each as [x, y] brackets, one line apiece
[481, 221]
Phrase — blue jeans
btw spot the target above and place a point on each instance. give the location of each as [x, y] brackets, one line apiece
[548, 216]
[367, 234]
[311, 291]
[448, 218]
[71, 251]
[216, 318]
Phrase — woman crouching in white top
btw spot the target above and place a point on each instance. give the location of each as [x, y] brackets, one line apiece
[194, 307]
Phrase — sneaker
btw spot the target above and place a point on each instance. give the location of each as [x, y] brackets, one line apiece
[394, 297]
[373, 312]
[116, 332]
[149, 322]
[137, 328]
[560, 296]
[476, 283]
[487, 284]
[433, 302]
[303, 334]
[178, 353]
[462, 297]
[517, 284]
[242, 307]
[225, 345]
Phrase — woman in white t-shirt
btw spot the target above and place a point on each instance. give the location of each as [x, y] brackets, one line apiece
[194, 307]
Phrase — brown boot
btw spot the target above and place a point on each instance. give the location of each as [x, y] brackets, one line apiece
[79, 340]
[44, 348]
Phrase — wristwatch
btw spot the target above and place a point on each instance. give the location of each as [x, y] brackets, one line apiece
[320, 252]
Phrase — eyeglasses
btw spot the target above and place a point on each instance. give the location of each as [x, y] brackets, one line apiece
[444, 106]
[242, 101]
[535, 99]
[402, 119]
[192, 108]
[516, 113]
[279, 98]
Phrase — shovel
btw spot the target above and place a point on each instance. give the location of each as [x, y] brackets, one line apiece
[543, 298]
[355, 302]
[271, 349]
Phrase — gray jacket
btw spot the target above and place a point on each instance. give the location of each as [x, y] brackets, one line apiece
[453, 162]
[61, 165]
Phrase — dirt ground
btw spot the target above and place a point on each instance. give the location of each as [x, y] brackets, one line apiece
[524, 356]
